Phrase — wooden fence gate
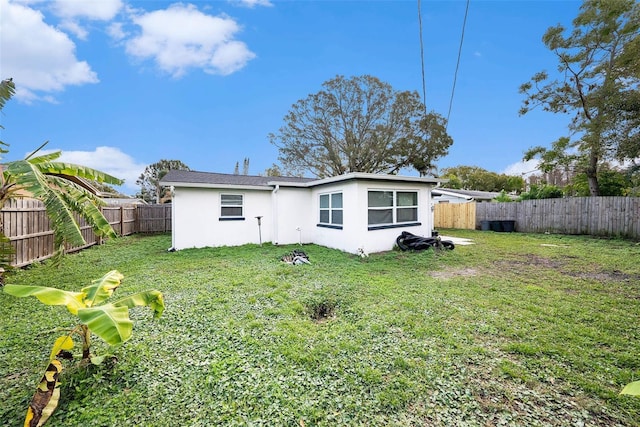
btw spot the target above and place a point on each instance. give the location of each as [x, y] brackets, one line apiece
[455, 215]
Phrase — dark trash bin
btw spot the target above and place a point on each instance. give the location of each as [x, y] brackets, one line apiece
[508, 226]
[484, 226]
[495, 225]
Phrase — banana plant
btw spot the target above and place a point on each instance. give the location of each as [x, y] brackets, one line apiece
[109, 320]
[45, 178]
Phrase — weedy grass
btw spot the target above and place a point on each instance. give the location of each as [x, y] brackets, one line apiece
[518, 329]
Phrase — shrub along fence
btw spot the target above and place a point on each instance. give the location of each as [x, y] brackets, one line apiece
[26, 224]
[597, 216]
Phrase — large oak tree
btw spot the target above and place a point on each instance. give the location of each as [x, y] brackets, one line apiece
[360, 124]
[597, 84]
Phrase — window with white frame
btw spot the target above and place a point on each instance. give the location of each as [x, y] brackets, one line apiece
[231, 206]
[388, 207]
[331, 209]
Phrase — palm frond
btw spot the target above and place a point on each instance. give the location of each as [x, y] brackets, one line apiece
[7, 89]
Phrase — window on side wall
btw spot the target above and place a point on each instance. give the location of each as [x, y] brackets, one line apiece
[390, 207]
[331, 210]
[231, 207]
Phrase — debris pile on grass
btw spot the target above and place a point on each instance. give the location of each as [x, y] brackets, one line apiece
[295, 258]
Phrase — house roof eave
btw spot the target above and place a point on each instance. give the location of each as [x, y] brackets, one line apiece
[221, 186]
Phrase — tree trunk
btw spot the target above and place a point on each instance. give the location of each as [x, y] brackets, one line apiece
[592, 176]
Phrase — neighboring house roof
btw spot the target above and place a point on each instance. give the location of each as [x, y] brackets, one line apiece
[181, 178]
[123, 201]
[466, 194]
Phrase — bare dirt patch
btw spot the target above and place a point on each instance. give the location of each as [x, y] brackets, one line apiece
[451, 273]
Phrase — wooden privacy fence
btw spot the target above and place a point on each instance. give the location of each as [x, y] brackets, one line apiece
[26, 224]
[455, 215]
[597, 216]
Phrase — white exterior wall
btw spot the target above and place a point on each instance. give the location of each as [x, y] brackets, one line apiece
[196, 218]
[384, 239]
[291, 209]
[355, 231]
[333, 238]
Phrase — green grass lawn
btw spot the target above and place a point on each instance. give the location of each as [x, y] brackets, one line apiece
[518, 329]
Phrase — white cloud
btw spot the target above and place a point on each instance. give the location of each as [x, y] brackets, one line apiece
[38, 56]
[73, 10]
[74, 28]
[99, 10]
[116, 31]
[110, 160]
[252, 3]
[477, 54]
[523, 168]
[181, 37]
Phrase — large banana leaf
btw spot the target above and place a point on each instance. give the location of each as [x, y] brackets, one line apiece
[102, 288]
[85, 204]
[49, 157]
[152, 299]
[70, 169]
[49, 296]
[109, 322]
[27, 175]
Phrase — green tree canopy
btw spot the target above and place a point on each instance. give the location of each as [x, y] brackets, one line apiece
[477, 178]
[597, 84]
[149, 181]
[360, 124]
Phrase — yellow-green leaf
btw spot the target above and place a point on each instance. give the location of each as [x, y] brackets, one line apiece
[109, 322]
[62, 343]
[152, 299]
[49, 296]
[102, 288]
[632, 389]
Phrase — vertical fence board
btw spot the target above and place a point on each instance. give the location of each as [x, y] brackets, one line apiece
[454, 215]
[598, 216]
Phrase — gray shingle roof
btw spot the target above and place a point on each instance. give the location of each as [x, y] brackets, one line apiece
[180, 176]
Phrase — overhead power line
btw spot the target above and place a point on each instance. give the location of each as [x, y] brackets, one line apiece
[424, 86]
[455, 75]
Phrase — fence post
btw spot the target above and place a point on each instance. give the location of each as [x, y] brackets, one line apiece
[121, 220]
[98, 238]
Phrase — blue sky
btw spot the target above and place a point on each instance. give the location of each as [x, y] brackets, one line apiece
[119, 84]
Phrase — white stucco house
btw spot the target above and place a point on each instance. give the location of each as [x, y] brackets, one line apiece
[347, 212]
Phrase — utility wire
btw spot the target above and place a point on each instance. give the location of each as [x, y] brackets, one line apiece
[424, 86]
[455, 75]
